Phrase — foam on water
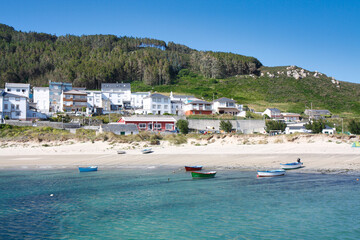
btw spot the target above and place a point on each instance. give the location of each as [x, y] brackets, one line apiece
[162, 203]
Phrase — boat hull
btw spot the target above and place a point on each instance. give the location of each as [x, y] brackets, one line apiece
[146, 151]
[272, 173]
[193, 168]
[289, 166]
[88, 169]
[203, 174]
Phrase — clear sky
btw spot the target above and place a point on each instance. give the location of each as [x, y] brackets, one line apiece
[322, 35]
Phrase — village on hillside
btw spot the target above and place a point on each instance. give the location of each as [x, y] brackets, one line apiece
[141, 111]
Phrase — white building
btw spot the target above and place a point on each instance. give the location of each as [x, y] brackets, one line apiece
[156, 104]
[41, 96]
[272, 113]
[177, 107]
[14, 106]
[137, 99]
[116, 96]
[94, 101]
[225, 106]
[20, 89]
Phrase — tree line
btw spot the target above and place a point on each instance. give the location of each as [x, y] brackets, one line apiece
[89, 60]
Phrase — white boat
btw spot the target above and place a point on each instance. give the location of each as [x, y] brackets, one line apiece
[121, 152]
[271, 173]
[146, 150]
[293, 165]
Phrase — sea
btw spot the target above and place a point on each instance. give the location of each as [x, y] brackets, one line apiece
[166, 203]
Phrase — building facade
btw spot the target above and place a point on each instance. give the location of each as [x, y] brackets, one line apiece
[116, 96]
[137, 99]
[73, 101]
[156, 104]
[20, 89]
[55, 91]
[198, 107]
[13, 106]
[151, 123]
[41, 96]
[225, 106]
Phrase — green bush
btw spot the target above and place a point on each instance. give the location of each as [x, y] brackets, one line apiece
[183, 126]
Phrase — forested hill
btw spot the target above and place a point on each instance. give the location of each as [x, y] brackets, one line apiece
[87, 61]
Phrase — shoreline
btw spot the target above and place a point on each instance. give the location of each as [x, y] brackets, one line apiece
[318, 153]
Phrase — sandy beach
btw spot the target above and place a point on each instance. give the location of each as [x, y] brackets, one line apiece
[319, 153]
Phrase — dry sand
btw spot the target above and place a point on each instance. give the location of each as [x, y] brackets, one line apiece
[319, 153]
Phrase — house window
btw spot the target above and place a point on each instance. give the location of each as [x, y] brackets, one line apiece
[142, 125]
[159, 106]
[169, 127]
[17, 107]
[17, 99]
[165, 106]
[6, 99]
[5, 106]
[9, 90]
[17, 113]
[154, 106]
[12, 106]
[18, 90]
[150, 126]
[157, 126]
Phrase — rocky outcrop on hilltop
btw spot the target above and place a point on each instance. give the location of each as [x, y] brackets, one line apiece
[295, 72]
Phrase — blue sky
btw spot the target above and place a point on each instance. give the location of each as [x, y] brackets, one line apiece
[322, 35]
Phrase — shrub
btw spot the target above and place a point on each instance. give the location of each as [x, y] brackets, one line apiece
[183, 126]
[354, 127]
[275, 125]
[226, 126]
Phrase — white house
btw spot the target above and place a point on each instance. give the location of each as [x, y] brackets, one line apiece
[41, 96]
[225, 106]
[156, 104]
[20, 89]
[116, 96]
[14, 106]
[272, 113]
[137, 99]
[198, 107]
[177, 107]
[94, 101]
[328, 130]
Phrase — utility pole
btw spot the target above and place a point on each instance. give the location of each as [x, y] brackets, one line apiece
[342, 125]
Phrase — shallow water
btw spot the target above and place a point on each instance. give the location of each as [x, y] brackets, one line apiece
[159, 204]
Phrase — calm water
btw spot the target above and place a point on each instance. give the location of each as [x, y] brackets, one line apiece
[160, 204]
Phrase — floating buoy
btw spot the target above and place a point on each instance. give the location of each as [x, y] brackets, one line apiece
[357, 179]
[51, 195]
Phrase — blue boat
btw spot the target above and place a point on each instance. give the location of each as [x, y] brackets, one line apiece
[293, 165]
[88, 169]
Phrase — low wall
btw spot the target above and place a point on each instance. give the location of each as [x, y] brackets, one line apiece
[243, 126]
[58, 125]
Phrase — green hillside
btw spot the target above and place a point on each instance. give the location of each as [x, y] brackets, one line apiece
[154, 65]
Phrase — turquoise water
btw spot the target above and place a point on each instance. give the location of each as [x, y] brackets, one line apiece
[160, 204]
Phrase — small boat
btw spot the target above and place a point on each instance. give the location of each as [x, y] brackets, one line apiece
[210, 174]
[271, 173]
[120, 152]
[193, 168]
[293, 165]
[146, 150]
[88, 169]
